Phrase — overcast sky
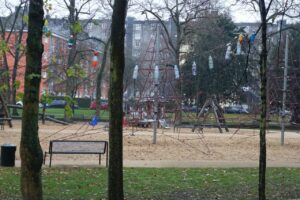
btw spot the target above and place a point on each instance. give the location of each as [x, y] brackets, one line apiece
[238, 13]
[241, 13]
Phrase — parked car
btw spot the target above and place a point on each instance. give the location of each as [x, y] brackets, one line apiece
[20, 103]
[236, 110]
[103, 105]
[59, 104]
[278, 111]
[193, 109]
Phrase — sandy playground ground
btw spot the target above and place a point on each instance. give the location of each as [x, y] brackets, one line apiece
[236, 148]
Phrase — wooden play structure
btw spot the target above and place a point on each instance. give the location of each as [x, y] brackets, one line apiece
[4, 113]
[211, 106]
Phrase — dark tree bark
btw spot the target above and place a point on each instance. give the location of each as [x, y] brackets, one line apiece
[115, 170]
[73, 17]
[100, 77]
[263, 91]
[30, 150]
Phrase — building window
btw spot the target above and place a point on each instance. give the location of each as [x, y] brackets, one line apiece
[44, 74]
[137, 27]
[153, 27]
[137, 43]
[89, 26]
[103, 26]
[135, 54]
[137, 36]
[45, 56]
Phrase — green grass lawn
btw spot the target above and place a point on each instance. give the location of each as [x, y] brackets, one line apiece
[188, 117]
[81, 113]
[166, 183]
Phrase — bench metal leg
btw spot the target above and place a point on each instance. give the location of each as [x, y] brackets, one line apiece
[50, 160]
[107, 156]
[45, 158]
[100, 159]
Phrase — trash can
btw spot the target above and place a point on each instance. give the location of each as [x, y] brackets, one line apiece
[8, 155]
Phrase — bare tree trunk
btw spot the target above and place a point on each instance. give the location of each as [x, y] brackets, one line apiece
[100, 77]
[15, 69]
[115, 170]
[70, 85]
[30, 150]
[263, 91]
[7, 78]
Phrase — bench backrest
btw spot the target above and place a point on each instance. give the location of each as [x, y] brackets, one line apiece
[78, 146]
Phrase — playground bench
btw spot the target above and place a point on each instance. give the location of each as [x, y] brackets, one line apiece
[77, 147]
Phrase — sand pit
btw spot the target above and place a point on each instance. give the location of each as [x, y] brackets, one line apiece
[209, 148]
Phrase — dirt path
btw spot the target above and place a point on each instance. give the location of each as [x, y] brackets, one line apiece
[180, 149]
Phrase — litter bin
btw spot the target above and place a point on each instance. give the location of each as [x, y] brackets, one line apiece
[8, 155]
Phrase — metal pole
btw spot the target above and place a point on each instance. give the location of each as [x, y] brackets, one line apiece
[155, 113]
[134, 105]
[156, 81]
[134, 90]
[197, 89]
[284, 87]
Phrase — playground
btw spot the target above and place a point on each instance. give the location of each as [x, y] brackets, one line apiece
[181, 148]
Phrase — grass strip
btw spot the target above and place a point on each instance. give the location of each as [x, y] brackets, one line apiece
[158, 183]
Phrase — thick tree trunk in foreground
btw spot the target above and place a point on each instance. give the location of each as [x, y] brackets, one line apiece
[115, 170]
[30, 150]
[263, 91]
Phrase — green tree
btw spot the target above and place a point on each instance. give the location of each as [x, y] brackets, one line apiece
[45, 99]
[115, 170]
[211, 37]
[11, 35]
[100, 75]
[30, 150]
[294, 83]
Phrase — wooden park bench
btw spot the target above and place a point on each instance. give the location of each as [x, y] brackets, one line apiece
[77, 147]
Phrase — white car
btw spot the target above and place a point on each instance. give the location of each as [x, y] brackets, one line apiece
[20, 103]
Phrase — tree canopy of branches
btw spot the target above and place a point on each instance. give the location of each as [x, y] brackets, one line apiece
[181, 13]
[295, 80]
[12, 29]
[211, 39]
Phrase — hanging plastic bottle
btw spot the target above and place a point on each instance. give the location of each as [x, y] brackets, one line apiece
[135, 72]
[45, 27]
[241, 38]
[194, 68]
[95, 59]
[71, 42]
[176, 71]
[228, 52]
[156, 74]
[210, 62]
[252, 38]
[238, 48]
